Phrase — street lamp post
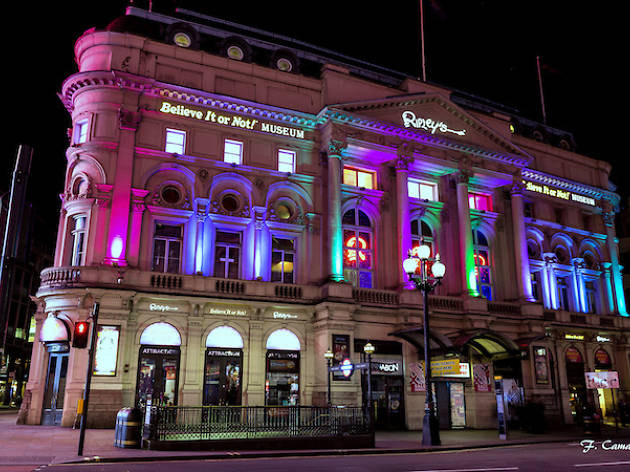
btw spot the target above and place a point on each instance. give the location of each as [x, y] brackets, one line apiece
[416, 266]
[328, 355]
[369, 350]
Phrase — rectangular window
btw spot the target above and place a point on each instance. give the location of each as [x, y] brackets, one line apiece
[78, 240]
[167, 246]
[422, 190]
[175, 141]
[535, 279]
[359, 178]
[528, 210]
[233, 152]
[563, 293]
[227, 254]
[283, 260]
[479, 201]
[80, 131]
[591, 301]
[286, 161]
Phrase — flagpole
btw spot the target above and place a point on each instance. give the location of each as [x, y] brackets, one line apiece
[424, 69]
[540, 87]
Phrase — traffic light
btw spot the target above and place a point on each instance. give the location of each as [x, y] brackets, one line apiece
[81, 331]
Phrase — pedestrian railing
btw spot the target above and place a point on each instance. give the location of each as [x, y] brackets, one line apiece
[207, 423]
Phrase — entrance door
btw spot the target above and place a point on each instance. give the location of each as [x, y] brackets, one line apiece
[55, 389]
[158, 376]
[222, 384]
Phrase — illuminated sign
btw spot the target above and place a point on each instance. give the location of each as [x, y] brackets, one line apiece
[609, 379]
[284, 316]
[351, 255]
[346, 368]
[602, 339]
[162, 308]
[557, 193]
[574, 337]
[445, 368]
[235, 121]
[106, 353]
[411, 121]
[228, 311]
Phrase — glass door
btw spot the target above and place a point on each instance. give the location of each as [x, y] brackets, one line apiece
[55, 390]
[222, 385]
[158, 376]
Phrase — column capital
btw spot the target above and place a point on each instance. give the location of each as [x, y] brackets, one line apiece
[463, 176]
[335, 146]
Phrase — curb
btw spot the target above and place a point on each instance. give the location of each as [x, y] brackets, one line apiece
[301, 453]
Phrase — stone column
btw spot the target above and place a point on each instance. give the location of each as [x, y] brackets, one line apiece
[403, 220]
[262, 246]
[523, 276]
[550, 283]
[116, 252]
[615, 267]
[608, 295]
[137, 211]
[578, 284]
[335, 233]
[466, 249]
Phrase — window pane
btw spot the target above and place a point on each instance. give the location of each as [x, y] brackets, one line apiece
[219, 261]
[365, 260]
[169, 231]
[364, 220]
[175, 141]
[226, 237]
[364, 241]
[233, 267]
[413, 189]
[159, 252]
[286, 161]
[427, 192]
[350, 177]
[173, 256]
[366, 180]
[365, 279]
[486, 292]
[414, 227]
[348, 218]
[233, 152]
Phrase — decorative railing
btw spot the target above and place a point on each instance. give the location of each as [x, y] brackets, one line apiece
[379, 297]
[207, 423]
[505, 308]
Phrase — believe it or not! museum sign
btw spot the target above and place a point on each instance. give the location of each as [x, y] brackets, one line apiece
[231, 120]
[558, 193]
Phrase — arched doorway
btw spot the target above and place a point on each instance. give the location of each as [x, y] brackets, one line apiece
[158, 365]
[604, 396]
[55, 334]
[576, 383]
[223, 371]
[282, 379]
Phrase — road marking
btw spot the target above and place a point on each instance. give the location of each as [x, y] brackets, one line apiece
[597, 464]
[490, 469]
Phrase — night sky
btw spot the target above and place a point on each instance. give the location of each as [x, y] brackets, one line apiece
[486, 48]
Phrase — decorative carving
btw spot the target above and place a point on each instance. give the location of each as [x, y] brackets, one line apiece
[129, 120]
[335, 147]
[203, 174]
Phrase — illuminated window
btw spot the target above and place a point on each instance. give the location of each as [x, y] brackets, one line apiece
[422, 190]
[483, 264]
[227, 254]
[479, 201]
[233, 152]
[282, 260]
[167, 245]
[80, 131]
[175, 141]
[357, 249]
[421, 232]
[78, 240]
[286, 161]
[358, 178]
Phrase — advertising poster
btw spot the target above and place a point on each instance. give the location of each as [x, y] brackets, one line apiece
[481, 377]
[341, 351]
[106, 354]
[416, 377]
[540, 365]
[458, 406]
[608, 379]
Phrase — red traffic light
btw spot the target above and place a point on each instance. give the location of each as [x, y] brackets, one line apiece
[80, 338]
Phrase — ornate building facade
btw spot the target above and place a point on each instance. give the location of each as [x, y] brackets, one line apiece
[237, 207]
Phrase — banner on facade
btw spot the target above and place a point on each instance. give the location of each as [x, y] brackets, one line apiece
[540, 365]
[609, 379]
[416, 377]
[341, 351]
[481, 377]
[445, 367]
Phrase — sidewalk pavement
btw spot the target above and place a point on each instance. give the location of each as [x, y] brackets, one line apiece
[25, 445]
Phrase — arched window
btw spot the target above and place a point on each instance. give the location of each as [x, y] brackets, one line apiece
[224, 336]
[161, 334]
[483, 264]
[357, 248]
[421, 231]
[283, 340]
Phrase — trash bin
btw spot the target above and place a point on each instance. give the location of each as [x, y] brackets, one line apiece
[128, 428]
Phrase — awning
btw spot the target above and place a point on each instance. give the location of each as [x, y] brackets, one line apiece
[488, 343]
[415, 336]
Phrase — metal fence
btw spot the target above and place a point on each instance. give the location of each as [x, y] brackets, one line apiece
[189, 423]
